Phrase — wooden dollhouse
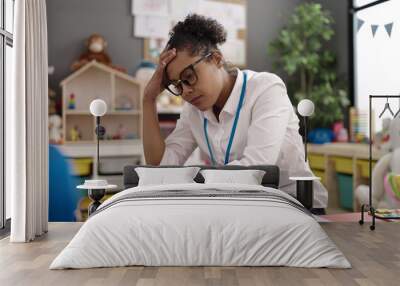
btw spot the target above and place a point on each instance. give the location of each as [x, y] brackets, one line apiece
[120, 91]
[122, 144]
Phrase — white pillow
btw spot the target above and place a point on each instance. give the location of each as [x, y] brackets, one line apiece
[164, 176]
[248, 177]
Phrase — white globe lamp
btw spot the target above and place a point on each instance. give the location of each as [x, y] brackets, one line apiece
[306, 109]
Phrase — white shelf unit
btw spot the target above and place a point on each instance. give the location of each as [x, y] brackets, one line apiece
[169, 109]
[120, 91]
[113, 157]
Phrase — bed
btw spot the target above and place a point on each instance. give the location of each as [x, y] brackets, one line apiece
[198, 224]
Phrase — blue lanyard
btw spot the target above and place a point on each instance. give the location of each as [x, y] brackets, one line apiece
[239, 107]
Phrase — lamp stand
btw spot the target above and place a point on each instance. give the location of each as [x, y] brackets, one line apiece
[305, 138]
[100, 131]
[97, 194]
[304, 185]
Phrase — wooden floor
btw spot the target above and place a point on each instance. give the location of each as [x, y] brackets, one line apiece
[374, 255]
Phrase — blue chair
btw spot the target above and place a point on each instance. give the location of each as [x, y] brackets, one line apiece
[63, 196]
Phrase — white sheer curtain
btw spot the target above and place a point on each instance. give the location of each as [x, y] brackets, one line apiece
[26, 117]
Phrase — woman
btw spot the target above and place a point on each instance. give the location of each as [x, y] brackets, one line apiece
[235, 117]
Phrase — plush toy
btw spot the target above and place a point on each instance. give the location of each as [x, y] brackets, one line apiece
[55, 129]
[96, 50]
[386, 169]
[71, 101]
[381, 140]
[52, 102]
[121, 131]
[74, 133]
[340, 132]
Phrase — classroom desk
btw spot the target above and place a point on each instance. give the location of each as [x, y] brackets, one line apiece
[326, 160]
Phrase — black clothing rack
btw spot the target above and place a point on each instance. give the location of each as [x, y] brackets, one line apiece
[366, 207]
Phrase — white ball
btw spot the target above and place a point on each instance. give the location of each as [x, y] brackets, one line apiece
[98, 107]
[305, 107]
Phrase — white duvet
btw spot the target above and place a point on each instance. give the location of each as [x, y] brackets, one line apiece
[188, 231]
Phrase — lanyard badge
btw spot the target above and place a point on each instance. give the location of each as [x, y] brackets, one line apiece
[239, 107]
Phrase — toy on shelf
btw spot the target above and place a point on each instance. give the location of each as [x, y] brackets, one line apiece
[117, 136]
[131, 136]
[121, 131]
[169, 103]
[320, 136]
[107, 137]
[52, 102]
[95, 50]
[359, 125]
[163, 99]
[340, 132]
[120, 91]
[144, 71]
[123, 102]
[75, 134]
[55, 135]
[71, 101]
[176, 100]
[342, 135]
[120, 134]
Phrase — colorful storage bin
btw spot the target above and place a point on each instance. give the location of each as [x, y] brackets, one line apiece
[82, 167]
[345, 191]
[343, 165]
[364, 167]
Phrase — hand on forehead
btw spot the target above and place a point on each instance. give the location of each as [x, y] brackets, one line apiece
[182, 60]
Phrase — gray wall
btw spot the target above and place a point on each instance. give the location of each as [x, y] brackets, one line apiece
[339, 43]
[265, 19]
[70, 22]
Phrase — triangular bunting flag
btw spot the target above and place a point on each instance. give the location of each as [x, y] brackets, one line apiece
[374, 28]
[388, 28]
[359, 24]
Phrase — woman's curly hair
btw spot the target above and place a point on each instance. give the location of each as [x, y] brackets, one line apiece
[197, 34]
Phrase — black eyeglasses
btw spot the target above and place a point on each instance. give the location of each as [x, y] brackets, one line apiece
[187, 77]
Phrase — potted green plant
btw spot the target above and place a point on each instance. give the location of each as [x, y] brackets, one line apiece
[300, 52]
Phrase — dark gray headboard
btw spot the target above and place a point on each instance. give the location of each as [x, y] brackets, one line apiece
[270, 179]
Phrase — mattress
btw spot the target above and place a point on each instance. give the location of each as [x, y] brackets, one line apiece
[201, 225]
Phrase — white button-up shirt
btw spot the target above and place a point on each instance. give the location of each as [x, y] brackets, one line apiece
[267, 132]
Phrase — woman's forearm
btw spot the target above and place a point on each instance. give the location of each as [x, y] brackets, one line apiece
[153, 142]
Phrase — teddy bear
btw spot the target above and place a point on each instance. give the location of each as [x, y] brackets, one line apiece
[55, 134]
[95, 50]
[385, 188]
